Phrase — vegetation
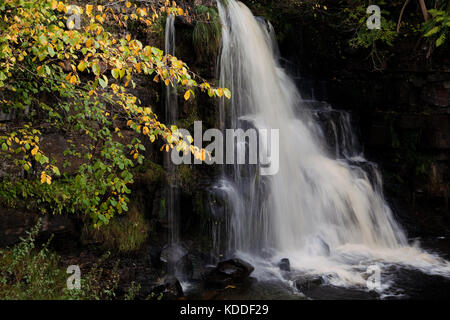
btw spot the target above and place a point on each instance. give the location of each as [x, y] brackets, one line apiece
[124, 234]
[343, 23]
[438, 27]
[29, 272]
[395, 23]
[207, 32]
[72, 76]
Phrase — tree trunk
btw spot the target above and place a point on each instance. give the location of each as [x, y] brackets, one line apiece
[424, 10]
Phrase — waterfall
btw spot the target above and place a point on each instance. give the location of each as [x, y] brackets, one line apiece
[325, 195]
[172, 198]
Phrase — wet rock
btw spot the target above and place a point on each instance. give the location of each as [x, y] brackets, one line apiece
[170, 290]
[229, 272]
[285, 265]
[235, 268]
[154, 253]
[307, 283]
[173, 254]
[185, 266]
[194, 267]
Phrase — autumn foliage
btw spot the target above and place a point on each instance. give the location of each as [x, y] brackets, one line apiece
[77, 80]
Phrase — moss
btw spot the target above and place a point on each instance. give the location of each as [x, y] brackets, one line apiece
[124, 234]
[188, 122]
[151, 172]
[156, 32]
[207, 32]
[186, 177]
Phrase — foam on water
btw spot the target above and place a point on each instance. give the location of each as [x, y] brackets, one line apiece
[325, 189]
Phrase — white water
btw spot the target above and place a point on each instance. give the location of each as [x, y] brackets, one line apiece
[320, 194]
[172, 199]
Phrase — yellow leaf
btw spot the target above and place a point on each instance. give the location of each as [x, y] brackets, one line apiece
[129, 122]
[203, 155]
[71, 24]
[152, 138]
[89, 9]
[187, 95]
[230, 287]
[145, 130]
[73, 80]
[128, 4]
[89, 43]
[128, 37]
[136, 155]
[43, 177]
[61, 7]
[34, 151]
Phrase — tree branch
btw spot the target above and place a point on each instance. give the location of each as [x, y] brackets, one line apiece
[426, 16]
[401, 15]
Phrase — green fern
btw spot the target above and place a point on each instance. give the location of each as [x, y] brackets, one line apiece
[207, 31]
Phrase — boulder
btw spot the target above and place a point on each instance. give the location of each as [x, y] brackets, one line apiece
[229, 272]
[306, 283]
[171, 289]
[284, 264]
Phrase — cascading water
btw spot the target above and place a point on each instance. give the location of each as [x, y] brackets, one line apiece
[324, 209]
[174, 251]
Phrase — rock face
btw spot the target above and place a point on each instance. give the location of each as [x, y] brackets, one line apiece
[285, 265]
[15, 223]
[229, 272]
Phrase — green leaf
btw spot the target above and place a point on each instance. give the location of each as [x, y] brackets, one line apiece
[432, 31]
[51, 52]
[102, 82]
[227, 93]
[56, 170]
[115, 73]
[96, 69]
[440, 40]
[82, 66]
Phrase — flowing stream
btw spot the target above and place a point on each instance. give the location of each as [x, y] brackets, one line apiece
[324, 210]
[172, 199]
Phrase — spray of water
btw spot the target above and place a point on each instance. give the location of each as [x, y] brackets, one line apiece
[325, 209]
